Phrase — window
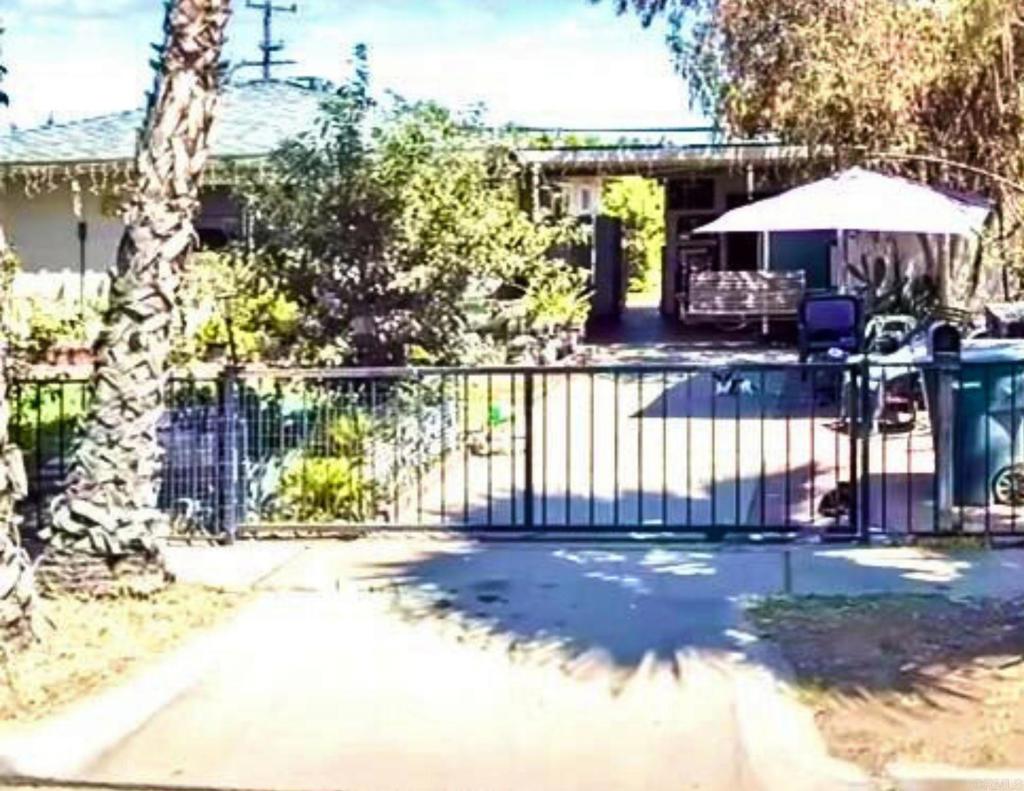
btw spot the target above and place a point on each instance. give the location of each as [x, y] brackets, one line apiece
[691, 194]
[585, 200]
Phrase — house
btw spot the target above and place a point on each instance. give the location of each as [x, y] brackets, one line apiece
[704, 179]
[60, 183]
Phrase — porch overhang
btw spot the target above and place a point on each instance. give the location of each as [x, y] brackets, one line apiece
[658, 160]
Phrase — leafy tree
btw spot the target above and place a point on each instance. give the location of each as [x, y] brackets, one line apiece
[231, 308]
[384, 222]
[858, 75]
[640, 204]
[930, 88]
[102, 537]
[4, 98]
[17, 586]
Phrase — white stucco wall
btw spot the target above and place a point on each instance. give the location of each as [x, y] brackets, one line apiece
[44, 233]
[583, 196]
[43, 230]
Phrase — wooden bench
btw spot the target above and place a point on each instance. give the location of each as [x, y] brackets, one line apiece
[742, 296]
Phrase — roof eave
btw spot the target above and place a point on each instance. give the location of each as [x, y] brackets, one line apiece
[658, 161]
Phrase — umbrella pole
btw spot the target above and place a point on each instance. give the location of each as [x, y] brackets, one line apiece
[842, 284]
[766, 247]
[945, 264]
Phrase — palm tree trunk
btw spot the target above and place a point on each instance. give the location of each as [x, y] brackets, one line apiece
[102, 536]
[17, 590]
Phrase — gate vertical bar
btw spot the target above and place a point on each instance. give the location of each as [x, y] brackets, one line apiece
[854, 403]
[228, 463]
[528, 517]
[867, 415]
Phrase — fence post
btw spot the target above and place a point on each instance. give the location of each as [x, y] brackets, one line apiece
[857, 384]
[867, 419]
[528, 517]
[944, 422]
[229, 479]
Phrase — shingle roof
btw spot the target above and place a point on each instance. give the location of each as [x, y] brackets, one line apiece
[254, 118]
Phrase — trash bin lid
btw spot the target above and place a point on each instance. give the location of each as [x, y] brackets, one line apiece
[993, 350]
[980, 350]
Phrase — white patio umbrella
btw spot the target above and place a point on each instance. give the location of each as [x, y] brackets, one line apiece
[858, 200]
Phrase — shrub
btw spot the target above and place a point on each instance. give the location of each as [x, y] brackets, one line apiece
[558, 297]
[382, 223]
[329, 489]
[336, 482]
[230, 302]
[45, 419]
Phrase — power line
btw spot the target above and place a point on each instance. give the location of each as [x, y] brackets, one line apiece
[623, 130]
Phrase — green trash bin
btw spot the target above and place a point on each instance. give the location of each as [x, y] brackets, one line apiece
[988, 445]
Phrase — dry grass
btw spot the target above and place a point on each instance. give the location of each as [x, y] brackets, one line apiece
[911, 678]
[85, 647]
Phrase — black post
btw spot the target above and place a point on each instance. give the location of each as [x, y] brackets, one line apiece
[867, 419]
[83, 236]
[855, 427]
[528, 452]
[228, 473]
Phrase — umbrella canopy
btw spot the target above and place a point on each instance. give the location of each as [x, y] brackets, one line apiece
[858, 200]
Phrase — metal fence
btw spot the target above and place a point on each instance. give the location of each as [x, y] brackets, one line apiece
[843, 450]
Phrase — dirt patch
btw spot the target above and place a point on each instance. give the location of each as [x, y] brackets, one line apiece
[87, 646]
[914, 678]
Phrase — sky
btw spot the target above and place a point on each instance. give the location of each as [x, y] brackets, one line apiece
[563, 63]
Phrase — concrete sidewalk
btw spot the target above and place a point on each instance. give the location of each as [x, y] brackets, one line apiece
[334, 691]
[417, 663]
[696, 571]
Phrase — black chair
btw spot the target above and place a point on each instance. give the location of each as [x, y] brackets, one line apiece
[830, 321]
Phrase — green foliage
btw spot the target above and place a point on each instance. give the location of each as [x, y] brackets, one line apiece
[336, 484]
[37, 325]
[929, 88]
[4, 98]
[9, 268]
[557, 298]
[232, 306]
[45, 419]
[380, 222]
[640, 204]
[327, 489]
[47, 328]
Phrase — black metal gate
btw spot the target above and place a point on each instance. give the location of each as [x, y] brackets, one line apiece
[753, 448]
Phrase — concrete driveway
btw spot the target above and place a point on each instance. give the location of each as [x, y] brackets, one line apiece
[422, 663]
[427, 664]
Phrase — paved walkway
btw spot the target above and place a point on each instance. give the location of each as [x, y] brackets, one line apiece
[419, 663]
[351, 673]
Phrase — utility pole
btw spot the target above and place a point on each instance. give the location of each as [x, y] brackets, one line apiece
[269, 47]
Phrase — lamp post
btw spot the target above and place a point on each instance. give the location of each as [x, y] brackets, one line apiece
[83, 236]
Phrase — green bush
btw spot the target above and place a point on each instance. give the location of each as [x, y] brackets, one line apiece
[640, 204]
[232, 302]
[37, 325]
[335, 483]
[388, 223]
[43, 424]
[329, 489]
[557, 298]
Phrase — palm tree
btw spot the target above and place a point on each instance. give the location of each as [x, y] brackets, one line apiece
[102, 536]
[17, 590]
